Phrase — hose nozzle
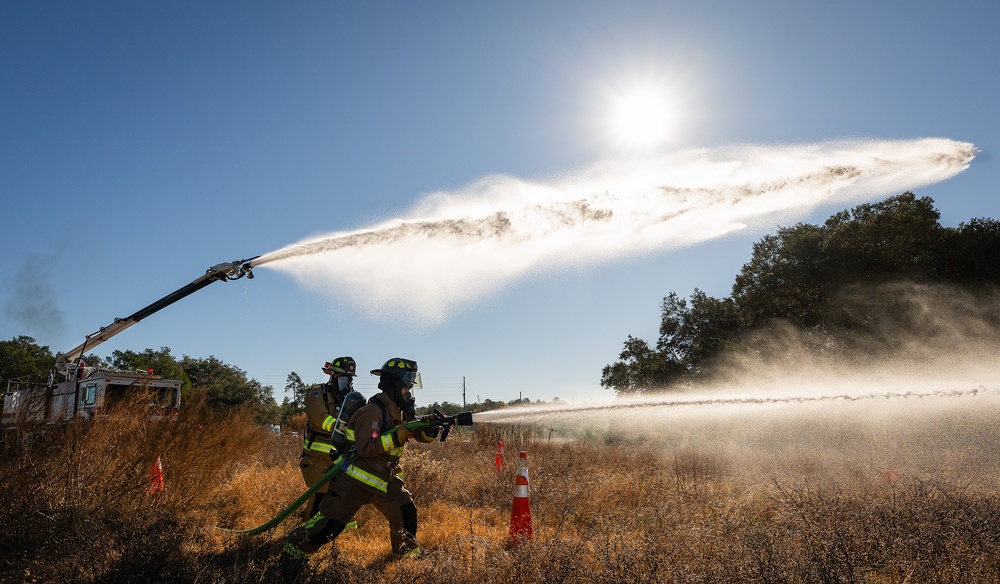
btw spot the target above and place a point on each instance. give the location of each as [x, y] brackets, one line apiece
[234, 270]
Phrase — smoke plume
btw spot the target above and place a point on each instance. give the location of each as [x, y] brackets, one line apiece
[32, 303]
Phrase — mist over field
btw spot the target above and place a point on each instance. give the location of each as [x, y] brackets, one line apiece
[918, 393]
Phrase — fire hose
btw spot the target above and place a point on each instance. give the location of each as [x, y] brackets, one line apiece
[435, 420]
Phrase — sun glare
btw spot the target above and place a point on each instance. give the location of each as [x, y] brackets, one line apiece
[641, 119]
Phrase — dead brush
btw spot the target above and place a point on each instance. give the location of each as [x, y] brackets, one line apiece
[601, 512]
[86, 487]
[694, 468]
[514, 437]
[255, 493]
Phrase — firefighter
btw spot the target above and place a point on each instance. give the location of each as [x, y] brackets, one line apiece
[373, 477]
[323, 403]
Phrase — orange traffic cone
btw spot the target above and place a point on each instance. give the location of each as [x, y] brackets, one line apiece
[156, 476]
[520, 514]
[499, 462]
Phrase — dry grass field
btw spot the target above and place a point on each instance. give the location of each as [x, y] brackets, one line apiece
[700, 501]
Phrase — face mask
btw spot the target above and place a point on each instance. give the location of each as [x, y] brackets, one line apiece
[408, 407]
[343, 383]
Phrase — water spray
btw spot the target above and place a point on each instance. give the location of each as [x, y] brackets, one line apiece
[534, 413]
[459, 247]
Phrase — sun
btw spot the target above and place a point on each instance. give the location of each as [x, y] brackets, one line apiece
[641, 119]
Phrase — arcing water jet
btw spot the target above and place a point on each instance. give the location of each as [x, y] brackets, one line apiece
[462, 246]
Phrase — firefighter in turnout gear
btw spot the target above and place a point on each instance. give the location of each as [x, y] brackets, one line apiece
[378, 434]
[324, 405]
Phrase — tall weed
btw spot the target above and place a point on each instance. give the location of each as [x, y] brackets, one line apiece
[602, 511]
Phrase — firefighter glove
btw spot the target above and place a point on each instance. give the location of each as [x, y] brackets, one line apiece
[428, 434]
[403, 434]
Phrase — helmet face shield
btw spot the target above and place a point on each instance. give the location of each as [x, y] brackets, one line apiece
[411, 379]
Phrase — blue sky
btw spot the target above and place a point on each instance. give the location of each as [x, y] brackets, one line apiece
[142, 143]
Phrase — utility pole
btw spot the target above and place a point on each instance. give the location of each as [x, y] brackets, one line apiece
[463, 392]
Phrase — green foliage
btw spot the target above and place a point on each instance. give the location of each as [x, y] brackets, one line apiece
[785, 278]
[689, 334]
[21, 356]
[895, 238]
[798, 274]
[223, 386]
[226, 386]
[298, 389]
[161, 362]
[93, 360]
[292, 407]
[639, 368]
[971, 253]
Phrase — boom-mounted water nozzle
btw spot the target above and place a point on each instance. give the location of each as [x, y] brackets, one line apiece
[233, 270]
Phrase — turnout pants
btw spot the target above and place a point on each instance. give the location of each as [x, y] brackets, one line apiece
[313, 466]
[343, 500]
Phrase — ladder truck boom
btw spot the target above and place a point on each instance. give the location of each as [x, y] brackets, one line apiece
[224, 272]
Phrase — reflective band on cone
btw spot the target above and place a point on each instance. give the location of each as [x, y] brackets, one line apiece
[520, 514]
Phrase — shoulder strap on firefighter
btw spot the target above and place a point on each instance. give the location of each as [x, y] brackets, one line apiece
[326, 398]
[385, 412]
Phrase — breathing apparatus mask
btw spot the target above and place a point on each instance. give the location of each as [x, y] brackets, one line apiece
[393, 387]
[341, 385]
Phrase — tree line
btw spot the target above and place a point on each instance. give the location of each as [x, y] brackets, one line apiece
[220, 384]
[798, 276]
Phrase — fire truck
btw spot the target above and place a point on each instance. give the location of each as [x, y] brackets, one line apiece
[83, 393]
[84, 390]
